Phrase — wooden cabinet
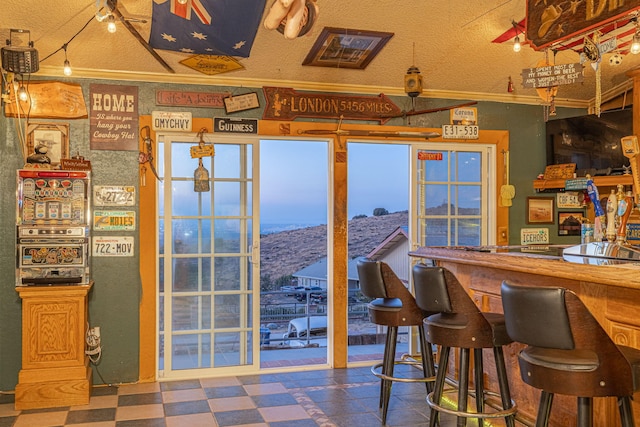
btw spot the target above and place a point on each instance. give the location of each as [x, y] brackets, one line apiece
[55, 370]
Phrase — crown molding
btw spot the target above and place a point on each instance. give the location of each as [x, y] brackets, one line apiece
[219, 80]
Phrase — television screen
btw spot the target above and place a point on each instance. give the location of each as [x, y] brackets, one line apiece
[591, 142]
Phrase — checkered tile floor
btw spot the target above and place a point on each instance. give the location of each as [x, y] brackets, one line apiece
[339, 397]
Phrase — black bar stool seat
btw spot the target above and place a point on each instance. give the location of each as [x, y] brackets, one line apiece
[459, 323]
[394, 306]
[568, 352]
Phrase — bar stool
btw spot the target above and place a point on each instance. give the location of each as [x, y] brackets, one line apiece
[568, 352]
[460, 324]
[393, 306]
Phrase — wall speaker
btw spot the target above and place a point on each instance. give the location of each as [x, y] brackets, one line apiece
[20, 59]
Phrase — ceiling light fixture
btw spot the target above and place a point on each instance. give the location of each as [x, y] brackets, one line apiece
[516, 44]
[20, 59]
[111, 24]
[635, 44]
[516, 41]
[67, 66]
[23, 95]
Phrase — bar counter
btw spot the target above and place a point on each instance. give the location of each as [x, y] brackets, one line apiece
[611, 292]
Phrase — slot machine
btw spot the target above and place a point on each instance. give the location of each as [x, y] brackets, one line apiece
[53, 214]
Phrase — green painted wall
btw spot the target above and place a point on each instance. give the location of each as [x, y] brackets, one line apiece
[114, 300]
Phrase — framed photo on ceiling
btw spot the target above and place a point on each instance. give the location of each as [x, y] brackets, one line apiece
[346, 48]
[540, 210]
[54, 136]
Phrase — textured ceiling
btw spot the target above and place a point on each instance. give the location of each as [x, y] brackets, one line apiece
[449, 41]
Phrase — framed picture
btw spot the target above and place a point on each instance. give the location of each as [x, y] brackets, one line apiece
[53, 136]
[346, 48]
[570, 223]
[540, 210]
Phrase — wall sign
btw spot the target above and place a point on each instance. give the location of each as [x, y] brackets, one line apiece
[50, 100]
[549, 23]
[534, 236]
[171, 121]
[114, 220]
[234, 125]
[113, 117]
[114, 195]
[552, 75]
[110, 246]
[248, 101]
[288, 104]
[190, 99]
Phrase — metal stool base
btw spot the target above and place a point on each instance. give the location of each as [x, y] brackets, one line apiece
[498, 414]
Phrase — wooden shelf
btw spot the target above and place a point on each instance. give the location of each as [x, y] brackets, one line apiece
[599, 181]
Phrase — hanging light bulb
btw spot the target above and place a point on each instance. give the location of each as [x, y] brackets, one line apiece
[111, 24]
[23, 95]
[635, 44]
[182, 1]
[516, 44]
[67, 68]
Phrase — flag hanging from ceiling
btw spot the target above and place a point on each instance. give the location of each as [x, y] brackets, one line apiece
[207, 27]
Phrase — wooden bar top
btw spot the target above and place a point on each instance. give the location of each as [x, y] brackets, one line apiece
[622, 275]
[611, 292]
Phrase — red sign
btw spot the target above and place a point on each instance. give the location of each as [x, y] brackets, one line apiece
[549, 22]
[424, 155]
[288, 104]
[190, 99]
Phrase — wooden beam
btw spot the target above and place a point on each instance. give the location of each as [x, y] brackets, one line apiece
[113, 5]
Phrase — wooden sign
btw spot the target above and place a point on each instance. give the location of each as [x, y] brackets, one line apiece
[552, 75]
[75, 164]
[248, 101]
[49, 100]
[212, 64]
[288, 104]
[549, 22]
[563, 171]
[113, 123]
[178, 98]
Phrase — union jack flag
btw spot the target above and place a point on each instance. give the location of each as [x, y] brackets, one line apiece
[206, 27]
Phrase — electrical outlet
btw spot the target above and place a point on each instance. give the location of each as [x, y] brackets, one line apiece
[503, 235]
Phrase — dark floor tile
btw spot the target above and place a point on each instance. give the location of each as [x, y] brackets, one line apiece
[44, 410]
[236, 418]
[7, 421]
[405, 417]
[91, 416]
[279, 399]
[343, 407]
[179, 385]
[303, 382]
[363, 391]
[185, 408]
[7, 398]
[327, 394]
[104, 391]
[367, 419]
[295, 423]
[219, 392]
[154, 422]
[139, 399]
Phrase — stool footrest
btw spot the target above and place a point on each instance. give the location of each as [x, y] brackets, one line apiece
[375, 370]
[497, 414]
